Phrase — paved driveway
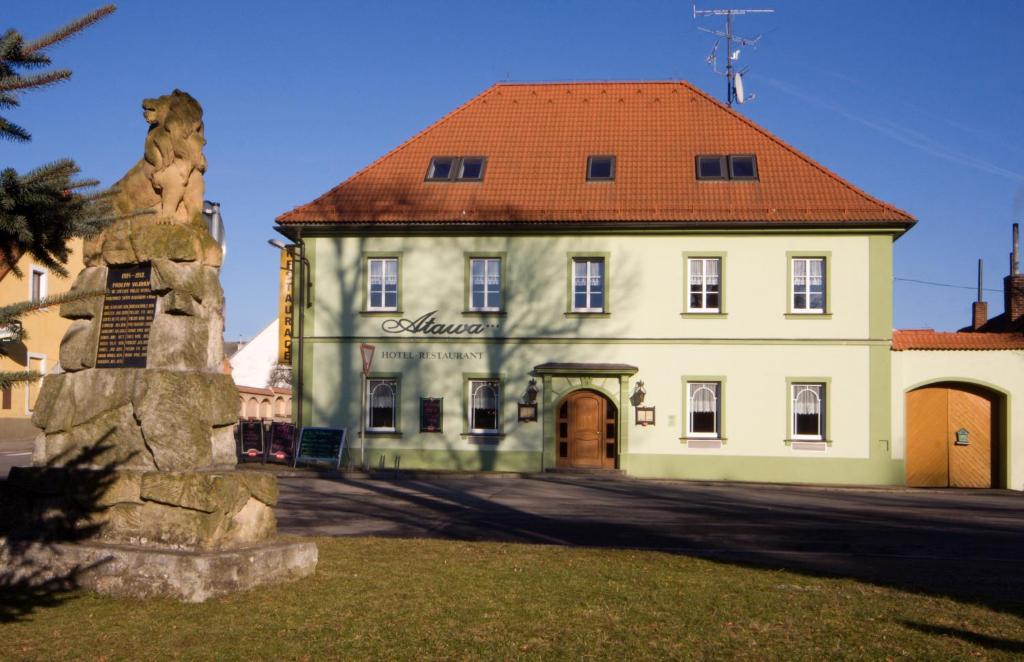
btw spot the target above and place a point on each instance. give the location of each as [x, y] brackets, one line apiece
[963, 543]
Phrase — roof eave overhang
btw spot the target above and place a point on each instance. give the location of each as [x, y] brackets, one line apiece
[295, 229]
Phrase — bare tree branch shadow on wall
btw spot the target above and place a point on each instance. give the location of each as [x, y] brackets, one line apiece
[534, 306]
[41, 508]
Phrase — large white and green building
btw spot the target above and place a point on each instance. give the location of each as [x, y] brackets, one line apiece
[579, 239]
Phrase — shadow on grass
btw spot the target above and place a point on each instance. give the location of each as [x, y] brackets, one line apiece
[40, 509]
[967, 546]
[982, 640]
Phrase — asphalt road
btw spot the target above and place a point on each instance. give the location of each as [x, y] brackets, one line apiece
[14, 454]
[960, 543]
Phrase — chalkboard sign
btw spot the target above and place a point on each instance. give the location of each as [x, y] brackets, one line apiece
[431, 414]
[321, 445]
[282, 442]
[251, 441]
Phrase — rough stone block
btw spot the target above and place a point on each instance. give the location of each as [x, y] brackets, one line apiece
[158, 240]
[126, 488]
[173, 410]
[205, 492]
[117, 244]
[139, 573]
[221, 399]
[111, 439]
[255, 522]
[262, 486]
[78, 347]
[89, 279]
[223, 447]
[70, 399]
[178, 342]
[92, 250]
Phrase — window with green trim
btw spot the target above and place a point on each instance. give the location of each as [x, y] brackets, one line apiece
[484, 406]
[703, 409]
[705, 275]
[485, 284]
[588, 289]
[808, 411]
[382, 283]
[382, 405]
[808, 287]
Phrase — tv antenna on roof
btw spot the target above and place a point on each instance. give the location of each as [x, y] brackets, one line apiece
[733, 78]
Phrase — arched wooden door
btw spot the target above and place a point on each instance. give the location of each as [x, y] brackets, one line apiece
[951, 436]
[587, 431]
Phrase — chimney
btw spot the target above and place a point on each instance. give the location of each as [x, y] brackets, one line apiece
[1013, 285]
[979, 309]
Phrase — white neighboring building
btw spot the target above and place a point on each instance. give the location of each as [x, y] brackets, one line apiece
[251, 365]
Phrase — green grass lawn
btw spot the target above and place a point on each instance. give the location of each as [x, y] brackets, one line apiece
[428, 599]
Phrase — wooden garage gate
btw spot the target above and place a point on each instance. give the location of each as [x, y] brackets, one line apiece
[951, 436]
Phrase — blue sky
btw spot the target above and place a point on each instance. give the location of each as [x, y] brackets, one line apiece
[918, 103]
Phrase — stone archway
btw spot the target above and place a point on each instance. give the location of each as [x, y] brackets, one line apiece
[954, 436]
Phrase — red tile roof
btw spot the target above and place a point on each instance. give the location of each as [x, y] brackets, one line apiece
[537, 137]
[916, 339]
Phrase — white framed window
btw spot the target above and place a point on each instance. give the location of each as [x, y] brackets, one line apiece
[37, 284]
[588, 285]
[381, 405]
[808, 411]
[485, 283]
[808, 285]
[484, 406]
[705, 276]
[382, 283]
[703, 409]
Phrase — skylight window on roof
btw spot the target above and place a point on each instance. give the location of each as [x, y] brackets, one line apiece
[601, 168]
[471, 168]
[441, 168]
[711, 167]
[743, 166]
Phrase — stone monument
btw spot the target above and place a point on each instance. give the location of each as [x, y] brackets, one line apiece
[143, 396]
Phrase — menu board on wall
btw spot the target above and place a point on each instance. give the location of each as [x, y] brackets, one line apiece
[431, 414]
[251, 440]
[282, 442]
[321, 445]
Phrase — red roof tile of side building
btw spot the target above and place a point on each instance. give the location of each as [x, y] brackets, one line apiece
[924, 339]
[537, 137]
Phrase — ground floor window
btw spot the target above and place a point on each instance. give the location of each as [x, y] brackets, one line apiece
[703, 409]
[808, 411]
[382, 405]
[484, 404]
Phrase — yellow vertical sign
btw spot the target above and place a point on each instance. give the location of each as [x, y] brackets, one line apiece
[285, 311]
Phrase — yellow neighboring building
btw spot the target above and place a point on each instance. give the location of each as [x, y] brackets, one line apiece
[44, 329]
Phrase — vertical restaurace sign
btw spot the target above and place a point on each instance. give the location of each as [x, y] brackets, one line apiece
[285, 310]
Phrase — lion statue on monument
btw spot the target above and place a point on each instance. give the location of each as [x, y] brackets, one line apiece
[168, 180]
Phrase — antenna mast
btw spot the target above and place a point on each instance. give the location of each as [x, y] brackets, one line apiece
[733, 80]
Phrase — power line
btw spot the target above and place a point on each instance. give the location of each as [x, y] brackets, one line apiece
[959, 287]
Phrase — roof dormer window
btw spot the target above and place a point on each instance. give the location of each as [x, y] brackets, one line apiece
[743, 166]
[711, 167]
[456, 168]
[601, 168]
[471, 168]
[441, 168]
[736, 167]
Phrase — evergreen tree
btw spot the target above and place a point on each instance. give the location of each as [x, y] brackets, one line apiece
[45, 208]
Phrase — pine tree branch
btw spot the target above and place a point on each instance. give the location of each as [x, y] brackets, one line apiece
[12, 83]
[69, 30]
[8, 379]
[15, 311]
[11, 131]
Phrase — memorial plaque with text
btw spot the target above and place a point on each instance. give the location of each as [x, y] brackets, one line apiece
[128, 310]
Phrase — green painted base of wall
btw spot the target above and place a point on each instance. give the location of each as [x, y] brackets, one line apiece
[768, 469]
[486, 459]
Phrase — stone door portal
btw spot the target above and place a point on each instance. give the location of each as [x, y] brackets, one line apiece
[587, 431]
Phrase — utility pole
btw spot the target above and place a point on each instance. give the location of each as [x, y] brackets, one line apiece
[733, 79]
